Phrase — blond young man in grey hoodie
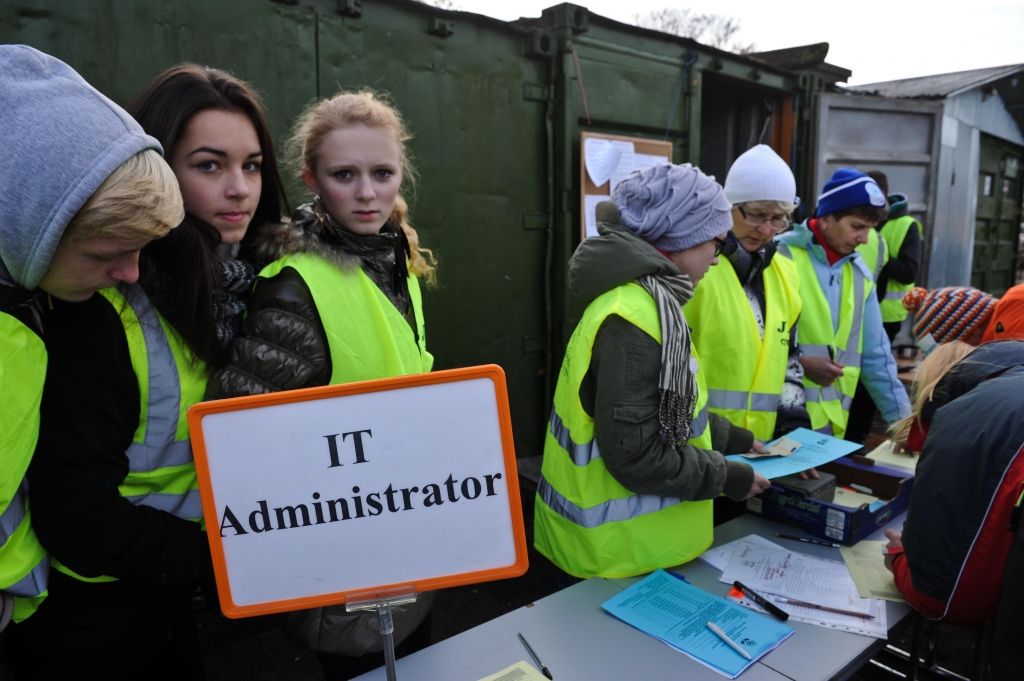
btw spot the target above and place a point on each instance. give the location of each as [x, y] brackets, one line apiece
[84, 190]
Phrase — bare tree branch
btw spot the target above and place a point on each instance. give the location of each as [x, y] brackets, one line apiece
[711, 29]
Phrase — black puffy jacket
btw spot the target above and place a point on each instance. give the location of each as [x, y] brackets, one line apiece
[970, 475]
[282, 344]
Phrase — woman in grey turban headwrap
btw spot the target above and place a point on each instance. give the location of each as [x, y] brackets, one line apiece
[629, 468]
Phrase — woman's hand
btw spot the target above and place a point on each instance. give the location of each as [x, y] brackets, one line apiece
[821, 370]
[759, 485]
[895, 538]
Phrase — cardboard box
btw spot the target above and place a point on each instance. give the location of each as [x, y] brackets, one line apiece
[823, 487]
[834, 522]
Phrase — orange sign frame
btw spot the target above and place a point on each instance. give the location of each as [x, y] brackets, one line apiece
[230, 608]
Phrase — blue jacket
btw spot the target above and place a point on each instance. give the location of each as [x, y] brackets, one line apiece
[878, 366]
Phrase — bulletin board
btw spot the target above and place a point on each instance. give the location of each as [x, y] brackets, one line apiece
[607, 159]
[358, 491]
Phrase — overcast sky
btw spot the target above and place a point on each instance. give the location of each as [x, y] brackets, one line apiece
[876, 39]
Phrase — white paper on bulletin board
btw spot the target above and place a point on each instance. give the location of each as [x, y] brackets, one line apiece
[605, 160]
[590, 202]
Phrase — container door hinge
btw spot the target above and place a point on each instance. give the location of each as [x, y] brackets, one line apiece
[350, 8]
[535, 344]
[535, 221]
[441, 27]
[535, 92]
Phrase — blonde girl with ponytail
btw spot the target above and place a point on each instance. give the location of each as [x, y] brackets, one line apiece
[340, 298]
[339, 301]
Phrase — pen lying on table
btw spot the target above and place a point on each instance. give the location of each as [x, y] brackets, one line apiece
[720, 633]
[828, 608]
[807, 540]
[536, 660]
[762, 601]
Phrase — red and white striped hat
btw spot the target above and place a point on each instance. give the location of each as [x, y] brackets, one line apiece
[950, 313]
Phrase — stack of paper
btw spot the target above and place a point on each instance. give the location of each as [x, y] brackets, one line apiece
[678, 613]
[789, 579]
[886, 455]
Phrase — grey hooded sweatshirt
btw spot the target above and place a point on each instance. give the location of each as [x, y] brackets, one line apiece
[620, 390]
[59, 140]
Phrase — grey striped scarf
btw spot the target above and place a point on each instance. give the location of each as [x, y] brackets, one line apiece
[677, 393]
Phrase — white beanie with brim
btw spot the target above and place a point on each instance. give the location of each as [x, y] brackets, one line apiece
[759, 174]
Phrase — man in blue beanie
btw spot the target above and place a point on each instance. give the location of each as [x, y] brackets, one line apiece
[841, 335]
[632, 458]
[84, 188]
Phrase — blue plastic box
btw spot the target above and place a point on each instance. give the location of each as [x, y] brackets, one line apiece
[840, 523]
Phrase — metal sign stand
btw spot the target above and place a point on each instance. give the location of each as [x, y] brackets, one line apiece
[386, 623]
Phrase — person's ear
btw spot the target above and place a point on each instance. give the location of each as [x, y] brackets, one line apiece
[309, 178]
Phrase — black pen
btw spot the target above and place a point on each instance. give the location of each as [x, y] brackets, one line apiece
[536, 660]
[807, 540]
[762, 601]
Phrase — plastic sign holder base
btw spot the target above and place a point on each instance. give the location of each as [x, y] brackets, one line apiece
[382, 606]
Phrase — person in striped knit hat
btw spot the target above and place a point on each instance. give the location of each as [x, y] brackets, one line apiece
[949, 313]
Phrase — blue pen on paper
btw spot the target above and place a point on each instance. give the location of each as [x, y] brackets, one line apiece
[676, 612]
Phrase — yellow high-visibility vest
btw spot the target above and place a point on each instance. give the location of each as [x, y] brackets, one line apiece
[744, 371]
[24, 564]
[875, 253]
[585, 521]
[367, 336]
[161, 471]
[894, 232]
[829, 406]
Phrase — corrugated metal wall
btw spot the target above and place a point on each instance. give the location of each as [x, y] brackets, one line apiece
[985, 110]
[496, 109]
[956, 202]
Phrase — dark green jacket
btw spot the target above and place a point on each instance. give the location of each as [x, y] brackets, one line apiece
[621, 388]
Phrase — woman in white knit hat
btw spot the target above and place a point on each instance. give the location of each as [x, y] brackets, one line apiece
[743, 316]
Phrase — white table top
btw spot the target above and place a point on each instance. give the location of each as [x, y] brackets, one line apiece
[576, 639]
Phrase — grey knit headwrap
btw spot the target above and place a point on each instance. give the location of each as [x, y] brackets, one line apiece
[672, 207]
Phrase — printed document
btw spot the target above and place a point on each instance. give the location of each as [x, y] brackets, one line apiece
[677, 613]
[520, 671]
[781, 575]
[814, 449]
[866, 562]
[720, 556]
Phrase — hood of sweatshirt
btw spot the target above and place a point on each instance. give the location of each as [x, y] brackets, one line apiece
[988, 361]
[61, 139]
[615, 257]
[899, 205]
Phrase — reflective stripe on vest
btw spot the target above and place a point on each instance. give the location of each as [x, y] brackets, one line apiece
[24, 564]
[895, 233]
[383, 343]
[744, 370]
[875, 253]
[585, 521]
[821, 337]
[583, 454]
[161, 473]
